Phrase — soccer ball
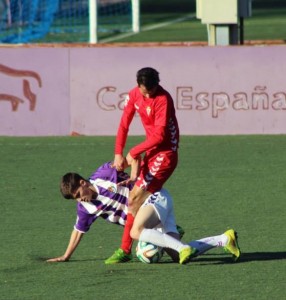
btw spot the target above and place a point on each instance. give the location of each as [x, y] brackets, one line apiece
[148, 253]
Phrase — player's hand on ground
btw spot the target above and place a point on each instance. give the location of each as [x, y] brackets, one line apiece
[57, 259]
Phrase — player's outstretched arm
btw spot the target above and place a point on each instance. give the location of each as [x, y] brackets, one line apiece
[73, 243]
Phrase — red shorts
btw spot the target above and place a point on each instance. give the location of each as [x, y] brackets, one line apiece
[156, 169]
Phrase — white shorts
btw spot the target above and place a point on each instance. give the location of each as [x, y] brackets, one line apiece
[163, 205]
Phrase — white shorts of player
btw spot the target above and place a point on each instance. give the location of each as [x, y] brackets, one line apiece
[163, 205]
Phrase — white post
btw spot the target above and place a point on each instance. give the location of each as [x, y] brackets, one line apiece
[135, 15]
[92, 5]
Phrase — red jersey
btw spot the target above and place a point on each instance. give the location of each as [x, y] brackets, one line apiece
[158, 118]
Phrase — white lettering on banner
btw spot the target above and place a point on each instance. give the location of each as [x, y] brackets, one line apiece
[222, 101]
[216, 102]
[102, 95]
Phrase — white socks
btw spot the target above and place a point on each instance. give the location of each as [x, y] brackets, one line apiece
[166, 241]
[208, 243]
[161, 239]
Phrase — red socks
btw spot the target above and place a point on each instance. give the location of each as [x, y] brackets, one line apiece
[126, 242]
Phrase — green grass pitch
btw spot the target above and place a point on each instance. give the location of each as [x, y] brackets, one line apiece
[221, 182]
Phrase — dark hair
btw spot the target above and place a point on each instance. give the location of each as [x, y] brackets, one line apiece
[70, 182]
[148, 77]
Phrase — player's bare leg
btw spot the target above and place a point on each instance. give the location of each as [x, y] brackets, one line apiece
[136, 197]
[147, 218]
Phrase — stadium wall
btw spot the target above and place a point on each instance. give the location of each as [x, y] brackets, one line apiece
[56, 91]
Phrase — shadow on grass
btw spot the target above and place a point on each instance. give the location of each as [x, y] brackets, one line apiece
[45, 258]
[205, 259]
[261, 256]
[245, 257]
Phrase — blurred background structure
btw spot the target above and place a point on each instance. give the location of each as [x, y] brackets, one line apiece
[224, 20]
[25, 21]
[113, 21]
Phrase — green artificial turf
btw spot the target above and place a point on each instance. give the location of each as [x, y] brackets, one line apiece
[221, 182]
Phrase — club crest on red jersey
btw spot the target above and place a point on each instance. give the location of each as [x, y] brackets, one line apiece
[126, 100]
[148, 110]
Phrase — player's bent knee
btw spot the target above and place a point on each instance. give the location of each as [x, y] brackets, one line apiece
[135, 233]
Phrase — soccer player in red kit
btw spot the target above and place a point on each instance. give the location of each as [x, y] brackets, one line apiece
[156, 109]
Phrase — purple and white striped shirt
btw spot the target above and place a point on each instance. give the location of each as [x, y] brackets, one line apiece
[111, 203]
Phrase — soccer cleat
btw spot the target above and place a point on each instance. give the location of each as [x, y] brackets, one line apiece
[186, 254]
[232, 244]
[181, 231]
[119, 256]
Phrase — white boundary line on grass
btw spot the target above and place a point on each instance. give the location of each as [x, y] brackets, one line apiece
[148, 28]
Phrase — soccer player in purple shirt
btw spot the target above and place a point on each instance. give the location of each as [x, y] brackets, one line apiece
[99, 196]
[105, 195]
